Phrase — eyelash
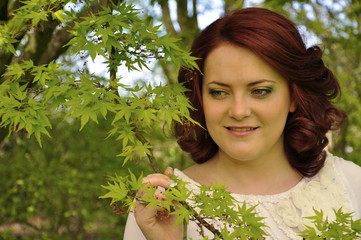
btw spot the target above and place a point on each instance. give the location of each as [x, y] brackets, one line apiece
[264, 92]
[217, 93]
[259, 93]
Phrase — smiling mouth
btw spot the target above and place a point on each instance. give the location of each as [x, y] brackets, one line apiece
[241, 129]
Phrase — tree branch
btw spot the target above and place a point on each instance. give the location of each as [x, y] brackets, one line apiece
[182, 15]
[231, 5]
[37, 42]
[13, 5]
[166, 18]
[52, 50]
[195, 12]
[151, 158]
[188, 24]
[4, 10]
[169, 72]
[6, 58]
[201, 220]
[196, 217]
[61, 37]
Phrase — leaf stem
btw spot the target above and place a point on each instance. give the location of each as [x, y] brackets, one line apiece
[112, 70]
[200, 220]
[151, 158]
[155, 167]
[185, 237]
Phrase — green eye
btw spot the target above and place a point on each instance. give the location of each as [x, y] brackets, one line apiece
[217, 93]
[262, 92]
[214, 92]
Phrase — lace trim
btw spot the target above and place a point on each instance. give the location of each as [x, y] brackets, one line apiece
[289, 209]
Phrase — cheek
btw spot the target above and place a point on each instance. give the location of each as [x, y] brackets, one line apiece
[279, 118]
[276, 112]
[209, 114]
[212, 112]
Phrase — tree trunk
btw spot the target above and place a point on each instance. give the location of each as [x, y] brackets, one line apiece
[231, 5]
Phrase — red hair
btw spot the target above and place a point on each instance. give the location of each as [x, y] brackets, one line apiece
[277, 41]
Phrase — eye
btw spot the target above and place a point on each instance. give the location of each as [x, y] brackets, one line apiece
[218, 94]
[261, 92]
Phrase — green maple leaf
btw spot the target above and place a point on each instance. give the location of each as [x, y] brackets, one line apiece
[117, 190]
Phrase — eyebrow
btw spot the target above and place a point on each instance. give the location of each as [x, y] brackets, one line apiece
[249, 84]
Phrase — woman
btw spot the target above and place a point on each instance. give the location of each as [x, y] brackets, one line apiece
[264, 101]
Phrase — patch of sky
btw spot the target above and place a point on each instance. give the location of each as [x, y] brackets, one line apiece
[208, 11]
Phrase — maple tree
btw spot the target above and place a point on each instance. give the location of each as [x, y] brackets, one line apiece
[44, 49]
[31, 91]
[39, 84]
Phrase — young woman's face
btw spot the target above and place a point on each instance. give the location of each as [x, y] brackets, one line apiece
[246, 103]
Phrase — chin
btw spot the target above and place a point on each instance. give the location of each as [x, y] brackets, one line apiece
[244, 156]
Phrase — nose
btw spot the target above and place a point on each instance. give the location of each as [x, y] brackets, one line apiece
[239, 108]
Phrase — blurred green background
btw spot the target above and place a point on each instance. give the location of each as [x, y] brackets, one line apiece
[53, 192]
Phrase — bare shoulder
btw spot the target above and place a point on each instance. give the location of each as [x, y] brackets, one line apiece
[199, 173]
[192, 170]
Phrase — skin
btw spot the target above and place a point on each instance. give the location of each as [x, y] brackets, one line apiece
[152, 225]
[246, 104]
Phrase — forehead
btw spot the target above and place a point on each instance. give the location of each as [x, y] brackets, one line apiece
[229, 62]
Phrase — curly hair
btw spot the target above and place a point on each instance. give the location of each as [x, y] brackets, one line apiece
[312, 85]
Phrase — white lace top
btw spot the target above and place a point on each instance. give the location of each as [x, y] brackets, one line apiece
[338, 184]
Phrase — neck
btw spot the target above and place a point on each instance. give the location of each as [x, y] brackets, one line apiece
[270, 175]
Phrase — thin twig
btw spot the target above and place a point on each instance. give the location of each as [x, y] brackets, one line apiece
[185, 225]
[151, 158]
[201, 220]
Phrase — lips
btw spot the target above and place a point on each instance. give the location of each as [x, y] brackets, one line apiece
[241, 129]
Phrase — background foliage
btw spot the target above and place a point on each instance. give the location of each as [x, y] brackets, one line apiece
[48, 88]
